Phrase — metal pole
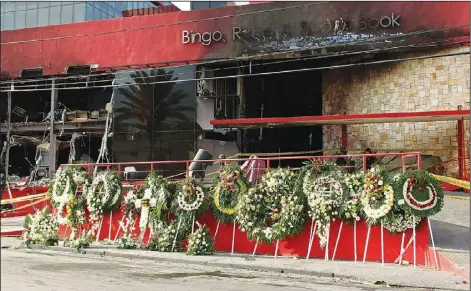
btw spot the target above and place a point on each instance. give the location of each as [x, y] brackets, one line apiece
[344, 136]
[7, 153]
[52, 136]
[461, 146]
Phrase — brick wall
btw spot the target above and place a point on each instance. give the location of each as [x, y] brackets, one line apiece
[417, 85]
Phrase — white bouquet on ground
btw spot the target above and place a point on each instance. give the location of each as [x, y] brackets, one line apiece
[168, 238]
[41, 228]
[127, 242]
[84, 241]
[200, 242]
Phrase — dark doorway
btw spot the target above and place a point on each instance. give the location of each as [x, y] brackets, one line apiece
[284, 95]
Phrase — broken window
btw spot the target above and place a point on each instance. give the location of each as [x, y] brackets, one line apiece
[222, 91]
[79, 116]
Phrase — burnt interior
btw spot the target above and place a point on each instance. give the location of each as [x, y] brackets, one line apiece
[283, 95]
[30, 122]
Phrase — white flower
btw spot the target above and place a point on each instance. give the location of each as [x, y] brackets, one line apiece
[153, 202]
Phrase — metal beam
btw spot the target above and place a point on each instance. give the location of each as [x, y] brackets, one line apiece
[461, 149]
[427, 116]
[52, 134]
[7, 153]
[76, 126]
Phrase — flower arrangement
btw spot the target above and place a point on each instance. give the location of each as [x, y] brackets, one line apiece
[128, 204]
[200, 242]
[159, 195]
[398, 221]
[63, 190]
[271, 210]
[80, 176]
[325, 197]
[104, 194]
[41, 228]
[167, 238]
[127, 242]
[75, 212]
[378, 196]
[352, 208]
[319, 167]
[228, 188]
[190, 196]
[60, 190]
[84, 241]
[419, 194]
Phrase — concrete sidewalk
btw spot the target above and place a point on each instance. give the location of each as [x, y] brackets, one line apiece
[372, 273]
[12, 225]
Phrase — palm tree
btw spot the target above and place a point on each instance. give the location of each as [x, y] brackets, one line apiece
[151, 107]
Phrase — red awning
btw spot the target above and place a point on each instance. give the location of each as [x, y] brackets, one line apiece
[427, 116]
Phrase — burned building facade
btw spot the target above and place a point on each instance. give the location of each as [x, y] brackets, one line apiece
[267, 78]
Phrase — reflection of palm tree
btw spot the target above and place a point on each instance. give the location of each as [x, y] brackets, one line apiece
[152, 107]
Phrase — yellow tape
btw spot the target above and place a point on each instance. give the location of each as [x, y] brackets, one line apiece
[457, 197]
[25, 206]
[452, 181]
[23, 198]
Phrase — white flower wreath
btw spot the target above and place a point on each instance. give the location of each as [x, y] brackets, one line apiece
[325, 196]
[99, 201]
[60, 192]
[354, 186]
[190, 190]
[60, 187]
[376, 191]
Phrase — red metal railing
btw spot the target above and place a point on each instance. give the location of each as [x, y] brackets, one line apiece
[452, 165]
[360, 162]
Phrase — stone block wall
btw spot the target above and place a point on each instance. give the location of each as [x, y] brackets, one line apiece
[441, 83]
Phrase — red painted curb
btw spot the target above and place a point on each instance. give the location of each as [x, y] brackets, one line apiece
[444, 264]
[16, 214]
[13, 233]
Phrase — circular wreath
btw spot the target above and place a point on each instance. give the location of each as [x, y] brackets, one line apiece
[325, 197]
[229, 186]
[272, 210]
[190, 196]
[104, 194]
[418, 193]
[352, 208]
[378, 196]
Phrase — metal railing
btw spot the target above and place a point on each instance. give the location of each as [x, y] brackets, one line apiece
[357, 161]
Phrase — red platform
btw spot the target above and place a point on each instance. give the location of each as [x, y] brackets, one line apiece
[298, 245]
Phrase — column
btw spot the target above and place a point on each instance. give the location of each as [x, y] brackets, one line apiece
[7, 152]
[52, 135]
[461, 149]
